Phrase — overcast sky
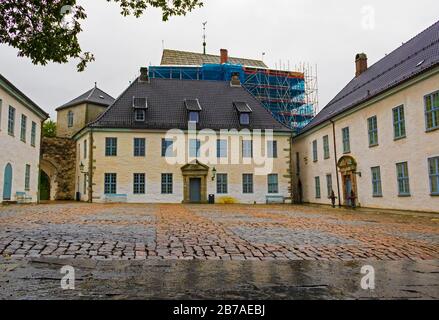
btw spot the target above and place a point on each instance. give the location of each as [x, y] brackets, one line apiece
[324, 32]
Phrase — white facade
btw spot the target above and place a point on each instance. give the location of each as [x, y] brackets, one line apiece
[153, 165]
[19, 148]
[415, 148]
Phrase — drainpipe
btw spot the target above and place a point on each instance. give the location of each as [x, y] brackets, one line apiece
[291, 169]
[90, 167]
[335, 162]
[39, 164]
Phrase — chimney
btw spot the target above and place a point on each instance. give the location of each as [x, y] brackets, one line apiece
[143, 75]
[235, 81]
[360, 63]
[224, 56]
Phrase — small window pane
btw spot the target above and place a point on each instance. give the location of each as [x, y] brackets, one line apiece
[221, 148]
[110, 147]
[139, 147]
[247, 183]
[273, 183]
[244, 118]
[110, 183]
[272, 149]
[167, 148]
[221, 183]
[166, 183]
[139, 183]
[247, 148]
[317, 186]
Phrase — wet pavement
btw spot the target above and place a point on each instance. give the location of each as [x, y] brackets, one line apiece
[174, 279]
[233, 251]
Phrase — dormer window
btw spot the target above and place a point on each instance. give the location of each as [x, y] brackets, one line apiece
[139, 115]
[244, 118]
[244, 112]
[194, 108]
[194, 116]
[140, 104]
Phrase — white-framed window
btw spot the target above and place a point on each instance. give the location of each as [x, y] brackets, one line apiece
[221, 183]
[139, 115]
[372, 125]
[27, 178]
[402, 173]
[326, 153]
[273, 183]
[23, 128]
[247, 183]
[377, 190]
[167, 183]
[314, 151]
[432, 110]
[247, 148]
[139, 147]
[317, 187]
[346, 140]
[70, 117]
[110, 186]
[139, 183]
[194, 148]
[399, 131]
[272, 149]
[33, 134]
[433, 165]
[221, 148]
[11, 121]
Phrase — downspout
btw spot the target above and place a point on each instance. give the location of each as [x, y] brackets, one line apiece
[291, 169]
[39, 164]
[336, 165]
[90, 168]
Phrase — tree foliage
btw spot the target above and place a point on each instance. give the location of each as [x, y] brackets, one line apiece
[47, 30]
[49, 129]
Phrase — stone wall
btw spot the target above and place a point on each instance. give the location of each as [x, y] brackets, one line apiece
[60, 153]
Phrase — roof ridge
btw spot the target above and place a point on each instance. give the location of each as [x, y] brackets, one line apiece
[212, 55]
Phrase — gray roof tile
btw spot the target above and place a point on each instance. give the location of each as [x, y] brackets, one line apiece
[167, 110]
[399, 66]
[95, 95]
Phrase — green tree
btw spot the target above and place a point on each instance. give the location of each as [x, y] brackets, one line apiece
[49, 129]
[47, 30]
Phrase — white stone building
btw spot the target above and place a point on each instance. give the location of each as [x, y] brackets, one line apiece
[20, 136]
[378, 140]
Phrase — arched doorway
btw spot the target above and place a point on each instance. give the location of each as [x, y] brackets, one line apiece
[48, 177]
[44, 186]
[348, 168]
[7, 183]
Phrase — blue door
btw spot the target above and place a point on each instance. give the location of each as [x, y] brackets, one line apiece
[195, 189]
[7, 182]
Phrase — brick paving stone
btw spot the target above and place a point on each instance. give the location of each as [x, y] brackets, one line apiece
[235, 232]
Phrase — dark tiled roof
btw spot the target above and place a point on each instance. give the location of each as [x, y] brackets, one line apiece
[25, 99]
[183, 58]
[401, 65]
[166, 108]
[95, 95]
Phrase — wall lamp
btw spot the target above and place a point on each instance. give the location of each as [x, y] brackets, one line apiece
[213, 174]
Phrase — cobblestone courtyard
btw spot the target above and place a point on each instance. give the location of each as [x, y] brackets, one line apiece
[213, 232]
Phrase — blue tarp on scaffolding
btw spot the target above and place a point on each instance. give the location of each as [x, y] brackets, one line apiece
[283, 95]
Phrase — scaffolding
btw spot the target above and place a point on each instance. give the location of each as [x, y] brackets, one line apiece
[291, 97]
